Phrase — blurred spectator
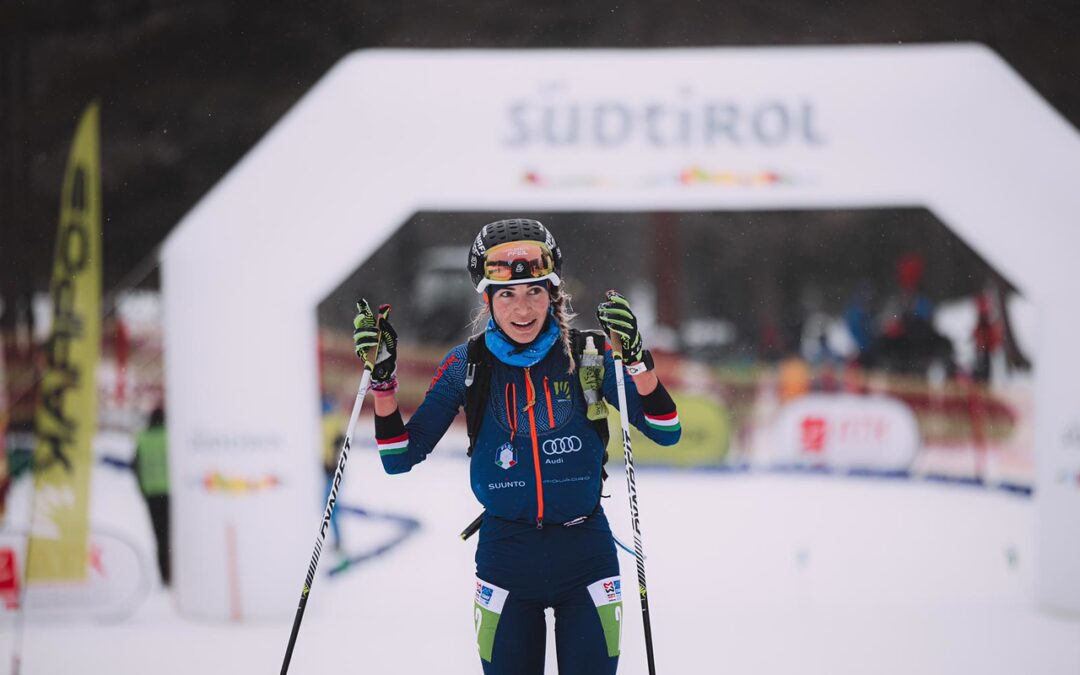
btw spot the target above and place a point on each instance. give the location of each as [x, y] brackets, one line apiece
[859, 319]
[5, 477]
[794, 373]
[815, 344]
[152, 470]
[823, 354]
[987, 336]
[909, 343]
[825, 362]
[770, 342]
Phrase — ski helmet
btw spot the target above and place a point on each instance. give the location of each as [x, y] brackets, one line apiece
[512, 252]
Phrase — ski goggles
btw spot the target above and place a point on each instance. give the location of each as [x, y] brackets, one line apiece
[518, 262]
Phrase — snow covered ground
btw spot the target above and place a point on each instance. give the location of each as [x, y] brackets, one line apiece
[751, 573]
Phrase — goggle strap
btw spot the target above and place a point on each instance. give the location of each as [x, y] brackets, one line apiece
[485, 283]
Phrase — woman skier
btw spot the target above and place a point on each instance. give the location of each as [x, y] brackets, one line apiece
[537, 437]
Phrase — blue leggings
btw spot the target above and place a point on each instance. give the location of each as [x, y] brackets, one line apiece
[521, 571]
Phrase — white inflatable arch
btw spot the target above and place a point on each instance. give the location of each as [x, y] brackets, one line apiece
[388, 133]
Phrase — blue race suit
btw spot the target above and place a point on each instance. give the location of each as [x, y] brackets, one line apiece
[544, 541]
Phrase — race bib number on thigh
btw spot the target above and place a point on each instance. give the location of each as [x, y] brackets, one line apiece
[487, 607]
[607, 596]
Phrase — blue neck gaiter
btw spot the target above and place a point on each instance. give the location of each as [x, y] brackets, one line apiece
[522, 356]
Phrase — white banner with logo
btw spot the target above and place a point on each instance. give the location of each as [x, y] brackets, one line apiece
[844, 431]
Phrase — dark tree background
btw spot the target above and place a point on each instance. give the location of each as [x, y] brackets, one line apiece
[188, 86]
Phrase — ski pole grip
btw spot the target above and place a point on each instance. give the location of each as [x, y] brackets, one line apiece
[616, 345]
[384, 311]
[373, 353]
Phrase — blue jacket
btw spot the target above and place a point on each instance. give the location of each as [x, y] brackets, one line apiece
[537, 457]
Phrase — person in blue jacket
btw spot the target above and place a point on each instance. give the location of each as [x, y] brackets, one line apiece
[537, 460]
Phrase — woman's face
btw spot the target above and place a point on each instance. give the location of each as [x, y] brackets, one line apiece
[521, 310]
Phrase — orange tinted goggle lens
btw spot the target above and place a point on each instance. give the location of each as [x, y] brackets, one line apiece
[518, 260]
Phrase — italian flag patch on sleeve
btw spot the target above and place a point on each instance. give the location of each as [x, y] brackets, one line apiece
[668, 422]
[393, 446]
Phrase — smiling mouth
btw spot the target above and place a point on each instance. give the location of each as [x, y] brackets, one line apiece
[519, 325]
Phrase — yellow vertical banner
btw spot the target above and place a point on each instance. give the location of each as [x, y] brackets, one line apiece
[67, 413]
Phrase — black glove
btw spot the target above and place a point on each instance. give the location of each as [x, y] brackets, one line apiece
[369, 333]
[615, 317]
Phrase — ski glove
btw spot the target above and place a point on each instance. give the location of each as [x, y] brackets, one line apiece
[366, 336]
[615, 316]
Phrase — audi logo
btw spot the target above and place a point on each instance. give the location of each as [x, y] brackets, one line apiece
[561, 446]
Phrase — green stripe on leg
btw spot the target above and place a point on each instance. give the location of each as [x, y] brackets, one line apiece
[611, 620]
[486, 622]
[487, 607]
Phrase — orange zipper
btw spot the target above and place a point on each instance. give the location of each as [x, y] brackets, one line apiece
[551, 413]
[530, 394]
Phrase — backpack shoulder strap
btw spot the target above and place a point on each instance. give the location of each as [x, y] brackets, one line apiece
[477, 385]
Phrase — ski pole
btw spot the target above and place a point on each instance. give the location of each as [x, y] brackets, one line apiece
[331, 499]
[631, 488]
